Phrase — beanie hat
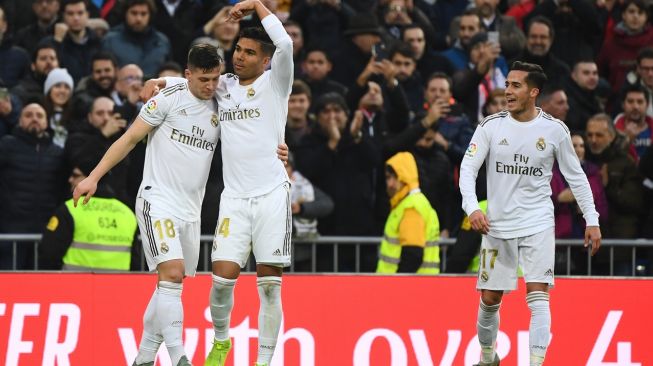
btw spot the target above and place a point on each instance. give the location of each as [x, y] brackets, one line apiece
[56, 76]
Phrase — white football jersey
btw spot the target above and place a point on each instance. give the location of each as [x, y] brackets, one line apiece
[179, 151]
[519, 158]
[253, 120]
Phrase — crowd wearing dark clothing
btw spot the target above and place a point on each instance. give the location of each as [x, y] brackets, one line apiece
[591, 52]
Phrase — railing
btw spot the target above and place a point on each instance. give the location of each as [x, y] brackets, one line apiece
[358, 254]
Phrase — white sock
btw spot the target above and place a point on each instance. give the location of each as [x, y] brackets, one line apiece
[170, 316]
[487, 327]
[151, 338]
[221, 301]
[269, 316]
[540, 327]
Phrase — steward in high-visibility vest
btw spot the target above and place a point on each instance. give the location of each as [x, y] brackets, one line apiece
[97, 236]
[412, 230]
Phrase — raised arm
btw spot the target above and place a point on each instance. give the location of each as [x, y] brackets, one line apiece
[115, 154]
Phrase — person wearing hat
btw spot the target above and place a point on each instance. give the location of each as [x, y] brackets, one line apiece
[93, 237]
[58, 89]
[412, 230]
[362, 34]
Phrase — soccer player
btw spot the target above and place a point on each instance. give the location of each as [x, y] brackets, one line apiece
[255, 211]
[519, 146]
[182, 127]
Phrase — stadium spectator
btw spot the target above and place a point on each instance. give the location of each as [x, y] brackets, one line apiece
[31, 181]
[540, 37]
[463, 28]
[58, 90]
[308, 204]
[581, 89]
[225, 33]
[569, 221]
[298, 50]
[356, 52]
[179, 21]
[323, 21]
[102, 127]
[47, 14]
[136, 41]
[129, 83]
[403, 59]
[339, 158]
[30, 88]
[428, 61]
[170, 68]
[300, 123]
[412, 230]
[454, 128]
[485, 72]
[94, 237]
[74, 41]
[100, 83]
[642, 75]
[15, 60]
[619, 53]
[553, 100]
[316, 68]
[577, 26]
[622, 182]
[398, 14]
[511, 37]
[10, 107]
[634, 122]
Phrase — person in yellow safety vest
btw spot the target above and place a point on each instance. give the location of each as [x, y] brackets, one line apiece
[94, 237]
[412, 230]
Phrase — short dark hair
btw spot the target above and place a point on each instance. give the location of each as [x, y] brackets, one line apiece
[170, 65]
[314, 48]
[644, 53]
[43, 46]
[149, 3]
[403, 49]
[535, 77]
[331, 98]
[104, 56]
[636, 88]
[440, 75]
[542, 20]
[638, 3]
[65, 3]
[204, 56]
[547, 92]
[259, 35]
[300, 87]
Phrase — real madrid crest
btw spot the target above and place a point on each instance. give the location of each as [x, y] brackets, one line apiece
[251, 92]
[484, 276]
[214, 120]
[540, 144]
[164, 248]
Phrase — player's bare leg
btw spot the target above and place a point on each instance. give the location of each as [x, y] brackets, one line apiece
[221, 300]
[270, 313]
[487, 326]
[537, 298]
[164, 316]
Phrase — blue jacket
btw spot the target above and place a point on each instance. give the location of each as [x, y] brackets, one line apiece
[14, 62]
[149, 49]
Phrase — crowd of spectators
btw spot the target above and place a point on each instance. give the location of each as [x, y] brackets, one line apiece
[372, 78]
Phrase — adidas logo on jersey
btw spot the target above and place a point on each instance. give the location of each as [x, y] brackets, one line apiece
[549, 272]
[183, 112]
[504, 142]
[227, 96]
[277, 252]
